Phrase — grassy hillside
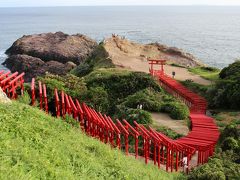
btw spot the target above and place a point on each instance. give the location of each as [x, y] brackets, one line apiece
[208, 73]
[34, 145]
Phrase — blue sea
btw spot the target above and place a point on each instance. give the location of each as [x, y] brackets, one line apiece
[212, 34]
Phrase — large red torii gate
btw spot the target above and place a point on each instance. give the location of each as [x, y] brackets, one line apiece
[158, 62]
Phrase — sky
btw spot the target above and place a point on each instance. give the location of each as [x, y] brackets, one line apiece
[32, 3]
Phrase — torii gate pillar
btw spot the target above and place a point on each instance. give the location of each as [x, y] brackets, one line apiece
[156, 62]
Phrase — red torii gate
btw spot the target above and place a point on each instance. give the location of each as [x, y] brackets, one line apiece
[159, 62]
[155, 146]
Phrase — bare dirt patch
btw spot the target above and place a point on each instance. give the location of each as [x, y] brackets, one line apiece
[133, 56]
[179, 126]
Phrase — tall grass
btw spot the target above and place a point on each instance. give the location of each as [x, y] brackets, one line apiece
[34, 145]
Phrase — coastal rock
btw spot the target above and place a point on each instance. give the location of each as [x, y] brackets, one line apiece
[34, 67]
[54, 47]
[123, 52]
[173, 51]
[3, 98]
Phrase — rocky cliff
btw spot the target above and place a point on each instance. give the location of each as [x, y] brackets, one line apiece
[53, 52]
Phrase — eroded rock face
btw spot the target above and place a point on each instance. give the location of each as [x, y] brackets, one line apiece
[3, 98]
[56, 53]
[122, 51]
[54, 47]
[34, 67]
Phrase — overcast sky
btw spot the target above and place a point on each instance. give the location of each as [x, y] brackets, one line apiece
[17, 3]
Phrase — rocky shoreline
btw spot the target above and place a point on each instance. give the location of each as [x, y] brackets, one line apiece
[58, 53]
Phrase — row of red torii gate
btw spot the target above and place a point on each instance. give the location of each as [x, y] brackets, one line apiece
[136, 139]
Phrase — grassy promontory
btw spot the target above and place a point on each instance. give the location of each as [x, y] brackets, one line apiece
[36, 146]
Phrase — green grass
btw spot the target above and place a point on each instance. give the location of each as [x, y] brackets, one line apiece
[197, 88]
[34, 145]
[177, 65]
[208, 73]
[168, 132]
[219, 118]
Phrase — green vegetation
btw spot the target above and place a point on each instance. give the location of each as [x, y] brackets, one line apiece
[231, 72]
[176, 110]
[208, 73]
[197, 88]
[157, 102]
[121, 83]
[131, 115]
[117, 92]
[177, 65]
[226, 93]
[25, 98]
[215, 169]
[224, 117]
[225, 163]
[99, 59]
[37, 146]
[168, 132]
[70, 84]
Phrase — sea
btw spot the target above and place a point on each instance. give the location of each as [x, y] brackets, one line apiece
[211, 33]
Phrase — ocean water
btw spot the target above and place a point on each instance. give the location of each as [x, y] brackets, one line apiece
[212, 34]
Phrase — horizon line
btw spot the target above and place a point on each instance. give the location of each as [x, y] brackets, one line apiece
[132, 5]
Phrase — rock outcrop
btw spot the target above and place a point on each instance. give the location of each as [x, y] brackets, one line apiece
[54, 47]
[55, 53]
[123, 48]
[34, 67]
[3, 97]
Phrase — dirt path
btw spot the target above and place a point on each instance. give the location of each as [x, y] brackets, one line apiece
[133, 56]
[178, 126]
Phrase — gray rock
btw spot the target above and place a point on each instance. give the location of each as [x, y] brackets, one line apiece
[54, 47]
[34, 67]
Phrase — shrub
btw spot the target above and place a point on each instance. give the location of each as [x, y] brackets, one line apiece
[229, 144]
[210, 171]
[72, 85]
[176, 110]
[97, 98]
[221, 166]
[148, 98]
[119, 84]
[169, 132]
[230, 130]
[99, 59]
[157, 102]
[226, 93]
[131, 115]
[231, 72]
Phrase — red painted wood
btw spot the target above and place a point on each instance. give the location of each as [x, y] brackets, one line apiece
[40, 95]
[33, 91]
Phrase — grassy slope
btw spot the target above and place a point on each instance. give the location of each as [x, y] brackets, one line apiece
[212, 74]
[34, 145]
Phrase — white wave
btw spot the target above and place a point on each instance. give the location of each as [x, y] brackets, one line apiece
[2, 54]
